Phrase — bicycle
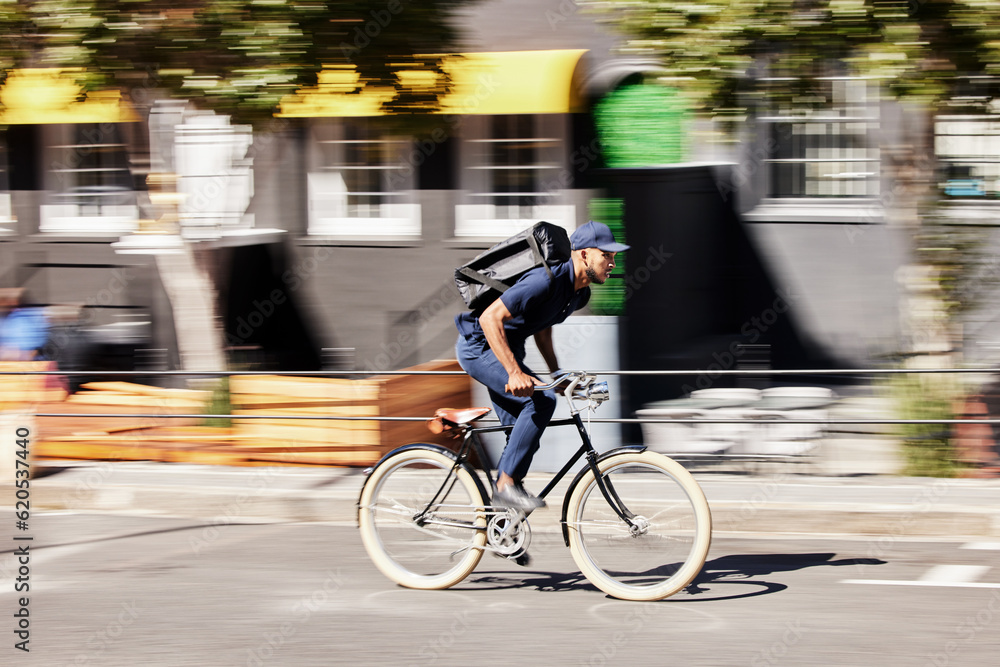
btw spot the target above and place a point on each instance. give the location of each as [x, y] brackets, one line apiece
[636, 522]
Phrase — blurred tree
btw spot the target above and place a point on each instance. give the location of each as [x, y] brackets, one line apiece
[739, 57]
[238, 57]
[734, 57]
[717, 48]
[235, 57]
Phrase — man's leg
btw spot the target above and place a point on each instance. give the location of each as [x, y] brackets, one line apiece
[533, 416]
[529, 415]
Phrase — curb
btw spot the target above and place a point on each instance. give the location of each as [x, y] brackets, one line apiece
[330, 495]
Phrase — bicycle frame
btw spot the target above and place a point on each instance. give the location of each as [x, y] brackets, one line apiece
[472, 442]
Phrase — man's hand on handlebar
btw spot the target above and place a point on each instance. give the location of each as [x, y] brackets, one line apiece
[520, 383]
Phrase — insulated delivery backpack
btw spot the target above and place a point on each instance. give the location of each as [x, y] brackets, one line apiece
[483, 279]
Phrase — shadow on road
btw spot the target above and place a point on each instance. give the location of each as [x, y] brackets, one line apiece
[743, 570]
[540, 581]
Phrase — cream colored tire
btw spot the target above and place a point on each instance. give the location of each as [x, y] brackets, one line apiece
[444, 550]
[670, 549]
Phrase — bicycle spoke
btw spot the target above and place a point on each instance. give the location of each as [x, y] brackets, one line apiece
[422, 519]
[665, 544]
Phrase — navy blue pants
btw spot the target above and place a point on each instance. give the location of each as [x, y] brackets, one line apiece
[529, 415]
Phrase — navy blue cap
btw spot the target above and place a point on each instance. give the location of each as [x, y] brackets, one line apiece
[595, 235]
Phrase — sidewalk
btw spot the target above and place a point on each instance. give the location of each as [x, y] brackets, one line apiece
[783, 502]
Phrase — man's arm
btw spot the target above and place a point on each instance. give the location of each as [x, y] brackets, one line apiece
[519, 383]
[543, 339]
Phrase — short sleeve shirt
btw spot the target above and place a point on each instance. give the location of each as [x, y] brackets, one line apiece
[536, 302]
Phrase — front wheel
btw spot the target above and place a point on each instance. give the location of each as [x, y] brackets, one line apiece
[665, 545]
[422, 519]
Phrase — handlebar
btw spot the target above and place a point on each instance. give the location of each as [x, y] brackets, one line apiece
[557, 379]
[581, 386]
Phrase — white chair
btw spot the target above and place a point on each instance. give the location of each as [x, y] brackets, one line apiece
[728, 396]
[772, 434]
[681, 438]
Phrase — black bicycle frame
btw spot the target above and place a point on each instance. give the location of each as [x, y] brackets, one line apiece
[473, 442]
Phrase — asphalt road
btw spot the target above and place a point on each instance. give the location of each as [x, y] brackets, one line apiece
[109, 589]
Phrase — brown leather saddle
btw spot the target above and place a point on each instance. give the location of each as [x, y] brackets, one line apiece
[455, 419]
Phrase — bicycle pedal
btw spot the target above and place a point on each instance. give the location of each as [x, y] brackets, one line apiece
[524, 560]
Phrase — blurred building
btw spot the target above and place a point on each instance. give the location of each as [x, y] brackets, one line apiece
[327, 239]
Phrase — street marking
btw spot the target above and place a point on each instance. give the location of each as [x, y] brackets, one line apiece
[958, 574]
[982, 546]
[939, 584]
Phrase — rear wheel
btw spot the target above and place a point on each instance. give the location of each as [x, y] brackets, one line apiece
[663, 549]
[413, 542]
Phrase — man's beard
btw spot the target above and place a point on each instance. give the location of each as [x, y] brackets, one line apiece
[592, 276]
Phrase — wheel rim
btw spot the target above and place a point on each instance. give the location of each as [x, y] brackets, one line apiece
[445, 540]
[641, 558]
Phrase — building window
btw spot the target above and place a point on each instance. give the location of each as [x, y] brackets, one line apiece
[360, 183]
[826, 152]
[514, 173]
[968, 149]
[90, 182]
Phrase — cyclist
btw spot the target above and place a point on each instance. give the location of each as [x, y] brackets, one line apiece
[490, 348]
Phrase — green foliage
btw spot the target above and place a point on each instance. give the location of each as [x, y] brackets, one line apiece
[927, 448]
[238, 57]
[964, 272]
[219, 404]
[609, 298]
[642, 126]
[716, 49]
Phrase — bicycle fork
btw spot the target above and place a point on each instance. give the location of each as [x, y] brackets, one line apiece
[605, 485]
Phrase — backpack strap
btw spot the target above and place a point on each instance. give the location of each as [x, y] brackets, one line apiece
[483, 279]
[496, 284]
[533, 242]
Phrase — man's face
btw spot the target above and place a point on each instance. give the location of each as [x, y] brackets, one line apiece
[600, 264]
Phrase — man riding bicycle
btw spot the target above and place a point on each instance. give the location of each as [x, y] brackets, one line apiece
[490, 348]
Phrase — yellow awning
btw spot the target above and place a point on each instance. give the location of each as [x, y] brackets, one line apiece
[509, 82]
[45, 96]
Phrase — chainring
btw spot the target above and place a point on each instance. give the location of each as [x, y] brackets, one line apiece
[508, 534]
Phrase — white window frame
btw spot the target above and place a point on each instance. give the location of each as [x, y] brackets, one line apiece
[334, 210]
[71, 208]
[483, 212]
[850, 172]
[971, 141]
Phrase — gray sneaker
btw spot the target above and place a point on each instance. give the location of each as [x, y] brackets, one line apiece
[515, 497]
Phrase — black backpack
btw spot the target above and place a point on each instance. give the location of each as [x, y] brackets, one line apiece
[492, 272]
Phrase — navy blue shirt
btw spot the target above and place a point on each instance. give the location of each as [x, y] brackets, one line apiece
[535, 302]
